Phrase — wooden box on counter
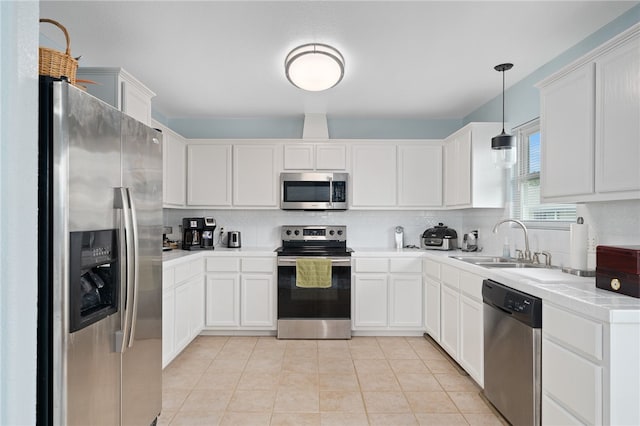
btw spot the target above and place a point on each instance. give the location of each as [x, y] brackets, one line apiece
[618, 269]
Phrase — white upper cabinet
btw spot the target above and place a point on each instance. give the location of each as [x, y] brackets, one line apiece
[396, 174]
[590, 122]
[331, 156]
[420, 175]
[208, 174]
[471, 179]
[373, 175]
[120, 89]
[618, 119]
[174, 164]
[314, 156]
[567, 114]
[255, 175]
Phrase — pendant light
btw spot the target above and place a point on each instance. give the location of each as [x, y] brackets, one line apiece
[314, 67]
[503, 146]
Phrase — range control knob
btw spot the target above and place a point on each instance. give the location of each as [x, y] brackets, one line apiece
[297, 232]
[331, 232]
[288, 232]
[339, 231]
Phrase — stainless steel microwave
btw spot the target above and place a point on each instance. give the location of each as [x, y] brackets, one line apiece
[313, 191]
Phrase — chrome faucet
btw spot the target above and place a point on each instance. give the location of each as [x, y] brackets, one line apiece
[527, 252]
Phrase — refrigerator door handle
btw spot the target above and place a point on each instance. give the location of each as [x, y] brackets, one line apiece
[136, 270]
[122, 201]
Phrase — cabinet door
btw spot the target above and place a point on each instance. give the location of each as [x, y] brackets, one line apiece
[331, 157]
[449, 299]
[298, 156]
[197, 295]
[255, 176]
[183, 316]
[257, 300]
[168, 326]
[373, 175]
[618, 119]
[175, 175]
[370, 300]
[432, 308]
[208, 175]
[567, 130]
[457, 172]
[405, 304]
[419, 175]
[222, 300]
[472, 338]
[135, 102]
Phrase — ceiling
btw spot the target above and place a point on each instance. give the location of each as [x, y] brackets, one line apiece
[414, 59]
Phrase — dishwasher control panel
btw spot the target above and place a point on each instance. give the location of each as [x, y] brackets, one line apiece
[521, 306]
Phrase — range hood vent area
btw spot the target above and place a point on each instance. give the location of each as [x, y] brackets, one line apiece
[315, 127]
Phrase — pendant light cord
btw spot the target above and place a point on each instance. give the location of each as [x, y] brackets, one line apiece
[503, 101]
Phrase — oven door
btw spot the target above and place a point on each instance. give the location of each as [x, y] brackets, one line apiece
[314, 303]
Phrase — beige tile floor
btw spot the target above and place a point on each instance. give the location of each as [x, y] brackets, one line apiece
[364, 381]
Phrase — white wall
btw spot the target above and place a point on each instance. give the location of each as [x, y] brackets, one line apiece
[18, 210]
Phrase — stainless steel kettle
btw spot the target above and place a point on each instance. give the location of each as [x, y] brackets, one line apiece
[233, 239]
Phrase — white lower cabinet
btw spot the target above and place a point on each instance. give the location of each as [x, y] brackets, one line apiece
[449, 300]
[182, 306]
[471, 350]
[454, 314]
[370, 300]
[432, 308]
[387, 294]
[240, 293]
[222, 300]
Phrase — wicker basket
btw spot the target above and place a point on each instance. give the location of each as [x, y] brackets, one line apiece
[56, 64]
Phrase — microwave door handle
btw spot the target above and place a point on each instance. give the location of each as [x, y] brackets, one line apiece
[330, 192]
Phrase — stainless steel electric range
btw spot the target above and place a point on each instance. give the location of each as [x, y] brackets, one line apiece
[314, 312]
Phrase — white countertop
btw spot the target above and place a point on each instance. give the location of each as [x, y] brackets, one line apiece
[578, 294]
[172, 256]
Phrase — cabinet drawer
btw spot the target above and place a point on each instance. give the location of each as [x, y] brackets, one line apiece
[450, 276]
[223, 264]
[573, 381]
[372, 265]
[187, 270]
[258, 264]
[168, 277]
[574, 331]
[471, 285]
[432, 268]
[408, 264]
[554, 414]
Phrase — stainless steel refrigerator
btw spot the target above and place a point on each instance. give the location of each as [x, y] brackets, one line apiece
[100, 271]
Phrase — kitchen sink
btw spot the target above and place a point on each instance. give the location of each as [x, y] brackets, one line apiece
[497, 262]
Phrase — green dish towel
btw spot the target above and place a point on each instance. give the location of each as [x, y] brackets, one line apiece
[313, 273]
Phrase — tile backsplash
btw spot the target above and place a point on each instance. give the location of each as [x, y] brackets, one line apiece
[611, 223]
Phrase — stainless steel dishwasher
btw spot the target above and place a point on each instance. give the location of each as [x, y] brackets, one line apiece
[512, 340]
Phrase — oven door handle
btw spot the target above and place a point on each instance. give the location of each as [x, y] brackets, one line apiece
[335, 261]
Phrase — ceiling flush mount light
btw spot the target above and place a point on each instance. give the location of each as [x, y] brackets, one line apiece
[314, 67]
[503, 146]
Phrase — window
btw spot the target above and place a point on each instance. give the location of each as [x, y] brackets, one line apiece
[525, 188]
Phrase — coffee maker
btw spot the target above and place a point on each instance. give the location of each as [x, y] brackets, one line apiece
[197, 233]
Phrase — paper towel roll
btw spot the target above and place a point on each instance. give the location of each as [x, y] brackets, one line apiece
[578, 233]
